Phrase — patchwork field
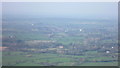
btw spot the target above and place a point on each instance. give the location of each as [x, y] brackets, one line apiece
[70, 43]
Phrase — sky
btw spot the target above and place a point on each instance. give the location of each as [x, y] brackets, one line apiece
[83, 10]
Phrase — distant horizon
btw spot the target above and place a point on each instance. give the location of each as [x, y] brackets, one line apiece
[79, 10]
[55, 18]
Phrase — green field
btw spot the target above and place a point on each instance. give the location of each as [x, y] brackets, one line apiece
[32, 59]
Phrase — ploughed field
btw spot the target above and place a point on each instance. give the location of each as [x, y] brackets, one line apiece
[59, 42]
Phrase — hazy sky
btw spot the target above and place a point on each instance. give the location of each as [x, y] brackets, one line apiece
[88, 10]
